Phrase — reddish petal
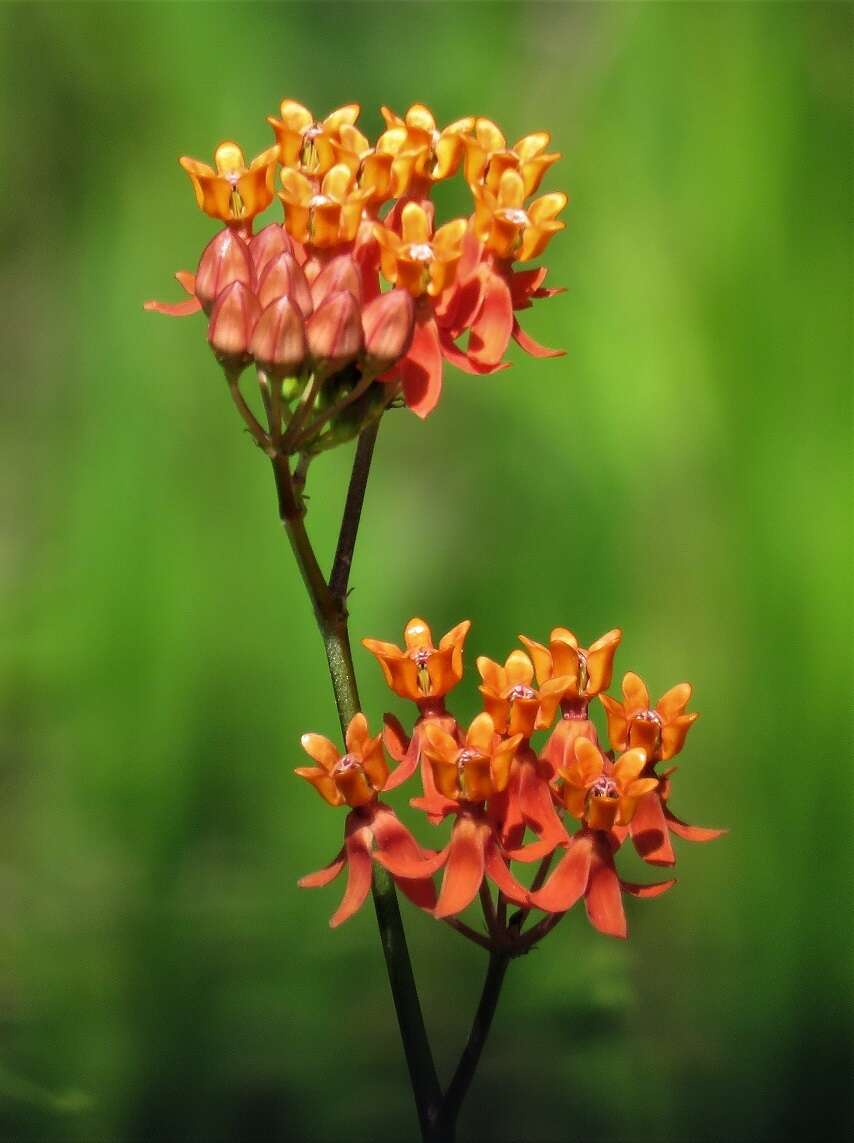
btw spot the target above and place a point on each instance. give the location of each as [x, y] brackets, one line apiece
[457, 307]
[537, 850]
[533, 347]
[461, 359]
[535, 797]
[174, 309]
[603, 899]
[421, 891]
[421, 370]
[569, 879]
[523, 283]
[496, 868]
[649, 831]
[395, 738]
[406, 768]
[323, 876]
[465, 867]
[490, 332]
[653, 890]
[359, 871]
[689, 832]
[187, 281]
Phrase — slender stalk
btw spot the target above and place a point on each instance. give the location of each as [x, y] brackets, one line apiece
[459, 1085]
[329, 602]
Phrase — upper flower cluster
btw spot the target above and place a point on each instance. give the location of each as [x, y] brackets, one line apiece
[572, 799]
[348, 199]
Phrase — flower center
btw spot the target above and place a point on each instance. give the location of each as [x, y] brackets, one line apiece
[583, 676]
[604, 787]
[319, 200]
[421, 656]
[347, 763]
[515, 215]
[521, 691]
[309, 158]
[648, 716]
[420, 252]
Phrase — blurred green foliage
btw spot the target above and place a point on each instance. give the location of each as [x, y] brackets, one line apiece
[683, 472]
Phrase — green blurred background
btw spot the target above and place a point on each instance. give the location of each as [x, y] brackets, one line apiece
[683, 472]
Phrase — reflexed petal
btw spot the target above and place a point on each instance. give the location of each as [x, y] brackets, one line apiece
[690, 832]
[618, 726]
[174, 309]
[407, 767]
[570, 877]
[649, 832]
[359, 872]
[421, 370]
[603, 899]
[395, 738]
[653, 890]
[465, 867]
[491, 330]
[498, 871]
[531, 347]
[323, 876]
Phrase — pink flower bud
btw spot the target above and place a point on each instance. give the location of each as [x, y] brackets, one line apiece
[339, 274]
[335, 330]
[283, 278]
[233, 319]
[224, 260]
[267, 245]
[278, 341]
[388, 323]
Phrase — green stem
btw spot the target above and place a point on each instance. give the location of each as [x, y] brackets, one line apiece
[330, 609]
[459, 1085]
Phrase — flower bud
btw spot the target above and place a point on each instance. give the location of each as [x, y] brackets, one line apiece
[283, 278]
[224, 260]
[334, 330]
[341, 273]
[233, 319]
[388, 323]
[278, 341]
[267, 245]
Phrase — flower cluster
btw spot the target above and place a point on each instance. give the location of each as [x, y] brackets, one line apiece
[570, 805]
[359, 296]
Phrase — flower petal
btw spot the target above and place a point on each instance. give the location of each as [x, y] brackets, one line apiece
[323, 876]
[689, 832]
[531, 347]
[357, 848]
[569, 879]
[603, 899]
[491, 330]
[465, 867]
[421, 370]
[649, 831]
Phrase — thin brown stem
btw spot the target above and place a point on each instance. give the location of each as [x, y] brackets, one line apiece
[340, 577]
[468, 932]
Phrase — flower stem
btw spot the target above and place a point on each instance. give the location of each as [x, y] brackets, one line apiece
[330, 608]
[459, 1085]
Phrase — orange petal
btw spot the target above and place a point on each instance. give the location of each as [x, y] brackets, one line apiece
[603, 899]
[321, 750]
[464, 869]
[323, 876]
[649, 832]
[493, 326]
[359, 871]
[689, 832]
[569, 879]
[635, 693]
[421, 370]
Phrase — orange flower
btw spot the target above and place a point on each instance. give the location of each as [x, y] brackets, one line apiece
[326, 217]
[417, 260]
[372, 168]
[422, 672]
[602, 793]
[354, 779]
[474, 771]
[305, 144]
[510, 230]
[488, 157]
[423, 154]
[589, 669]
[373, 831]
[587, 869]
[233, 192]
[511, 700]
[660, 730]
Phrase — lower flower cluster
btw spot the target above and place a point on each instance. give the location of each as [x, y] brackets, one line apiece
[571, 805]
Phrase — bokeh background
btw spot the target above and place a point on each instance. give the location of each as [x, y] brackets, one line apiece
[684, 472]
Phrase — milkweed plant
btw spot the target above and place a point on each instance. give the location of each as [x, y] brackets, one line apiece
[352, 306]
